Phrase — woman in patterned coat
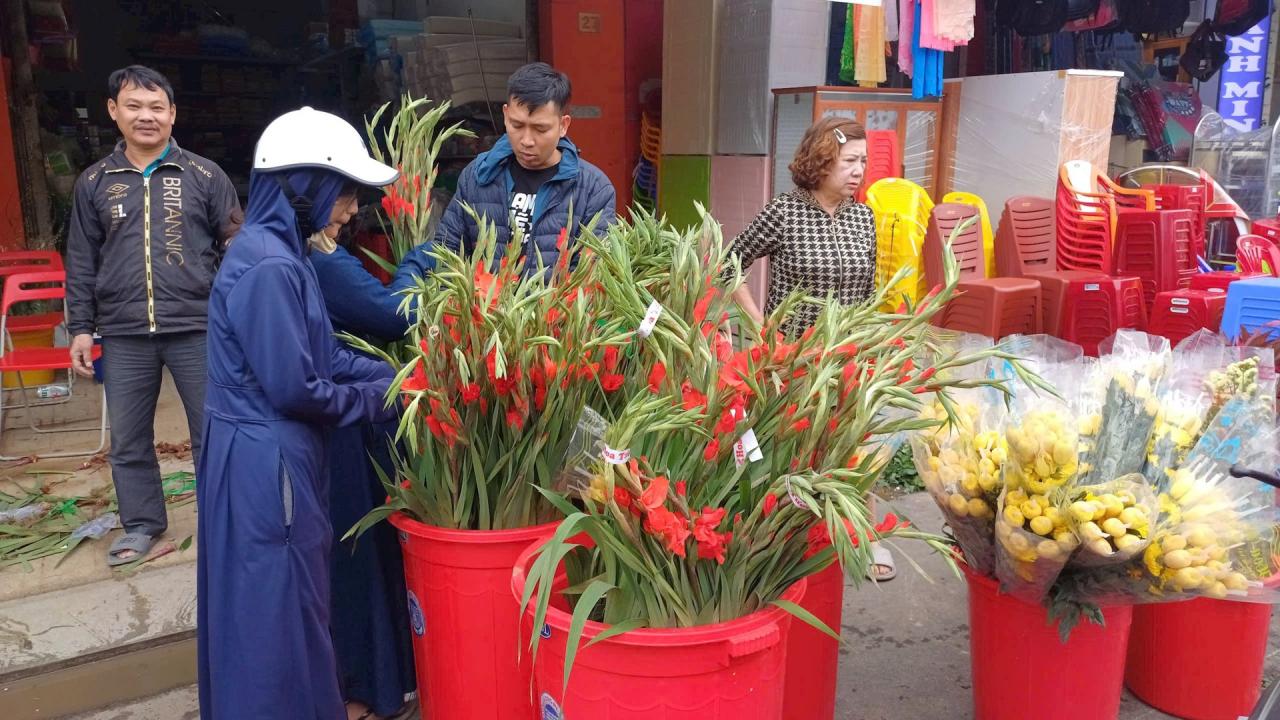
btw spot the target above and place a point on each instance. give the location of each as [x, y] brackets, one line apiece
[817, 239]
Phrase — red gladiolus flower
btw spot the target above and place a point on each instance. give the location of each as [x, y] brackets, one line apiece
[727, 422]
[656, 376]
[562, 240]
[417, 380]
[681, 488]
[515, 419]
[928, 373]
[621, 497]
[470, 393]
[704, 303]
[540, 398]
[714, 547]
[769, 505]
[692, 399]
[612, 383]
[854, 462]
[723, 348]
[656, 494]
[712, 451]
[611, 358]
[902, 308]
[671, 528]
[891, 523]
[800, 425]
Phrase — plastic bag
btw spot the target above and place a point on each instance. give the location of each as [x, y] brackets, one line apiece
[960, 466]
[1180, 420]
[585, 447]
[1112, 521]
[1027, 564]
[1119, 406]
[24, 515]
[97, 528]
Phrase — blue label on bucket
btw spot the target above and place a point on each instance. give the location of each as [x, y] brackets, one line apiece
[415, 615]
[550, 709]
[546, 631]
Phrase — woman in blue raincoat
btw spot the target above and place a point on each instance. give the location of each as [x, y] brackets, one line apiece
[370, 617]
[278, 381]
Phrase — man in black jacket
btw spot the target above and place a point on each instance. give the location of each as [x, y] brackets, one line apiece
[148, 225]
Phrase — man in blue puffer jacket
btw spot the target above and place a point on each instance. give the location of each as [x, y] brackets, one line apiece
[532, 177]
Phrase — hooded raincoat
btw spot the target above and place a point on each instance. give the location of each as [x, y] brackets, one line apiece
[278, 378]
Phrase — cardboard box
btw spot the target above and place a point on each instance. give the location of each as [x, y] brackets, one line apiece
[689, 76]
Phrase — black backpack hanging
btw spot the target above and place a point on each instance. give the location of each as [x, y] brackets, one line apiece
[1032, 17]
[1235, 17]
[1149, 18]
[1081, 9]
[1206, 52]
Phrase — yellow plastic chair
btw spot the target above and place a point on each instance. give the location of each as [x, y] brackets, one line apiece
[902, 212]
[988, 235]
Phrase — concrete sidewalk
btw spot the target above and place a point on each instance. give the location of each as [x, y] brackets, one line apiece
[907, 656]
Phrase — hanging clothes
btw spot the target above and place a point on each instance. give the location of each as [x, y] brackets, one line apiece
[847, 62]
[927, 80]
[954, 20]
[906, 36]
[929, 36]
[277, 380]
[869, 64]
[891, 21]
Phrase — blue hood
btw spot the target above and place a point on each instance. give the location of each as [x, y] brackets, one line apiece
[270, 211]
[491, 165]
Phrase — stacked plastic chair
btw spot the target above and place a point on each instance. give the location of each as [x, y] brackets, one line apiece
[645, 187]
[988, 236]
[1158, 247]
[1087, 207]
[995, 307]
[1269, 229]
[1093, 311]
[1252, 303]
[1026, 238]
[1256, 255]
[884, 159]
[1178, 313]
[902, 212]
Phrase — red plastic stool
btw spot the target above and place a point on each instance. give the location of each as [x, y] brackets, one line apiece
[1092, 312]
[1185, 197]
[1053, 293]
[1269, 229]
[1216, 280]
[1179, 313]
[1200, 659]
[996, 307]
[1156, 246]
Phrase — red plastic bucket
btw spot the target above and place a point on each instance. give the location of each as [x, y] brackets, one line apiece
[813, 658]
[728, 671]
[1200, 659]
[466, 625]
[1021, 669]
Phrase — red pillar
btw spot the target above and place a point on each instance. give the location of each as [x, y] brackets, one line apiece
[12, 233]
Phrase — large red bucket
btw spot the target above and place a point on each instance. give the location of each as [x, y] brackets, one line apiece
[813, 657]
[1200, 659]
[728, 671]
[466, 625]
[1021, 669]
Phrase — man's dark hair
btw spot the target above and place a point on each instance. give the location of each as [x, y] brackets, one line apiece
[140, 76]
[537, 84]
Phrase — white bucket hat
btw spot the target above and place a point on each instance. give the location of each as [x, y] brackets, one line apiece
[312, 138]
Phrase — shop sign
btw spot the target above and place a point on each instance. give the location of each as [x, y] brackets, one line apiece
[1244, 76]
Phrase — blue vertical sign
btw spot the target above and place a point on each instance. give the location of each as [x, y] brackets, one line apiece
[1240, 91]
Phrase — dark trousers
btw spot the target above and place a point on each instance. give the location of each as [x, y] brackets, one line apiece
[131, 369]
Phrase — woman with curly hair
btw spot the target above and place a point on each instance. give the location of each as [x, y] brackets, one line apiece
[817, 239]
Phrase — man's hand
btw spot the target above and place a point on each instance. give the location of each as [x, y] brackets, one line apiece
[82, 355]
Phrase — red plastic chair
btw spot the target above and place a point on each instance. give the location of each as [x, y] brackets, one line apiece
[28, 287]
[1086, 221]
[1257, 255]
[1156, 246]
[995, 307]
[14, 261]
[1026, 237]
[1054, 289]
[884, 159]
[1179, 313]
[1269, 229]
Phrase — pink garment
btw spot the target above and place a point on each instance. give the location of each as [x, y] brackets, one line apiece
[906, 30]
[953, 19]
[929, 37]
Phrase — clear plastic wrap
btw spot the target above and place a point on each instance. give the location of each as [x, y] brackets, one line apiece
[585, 447]
[1112, 520]
[1119, 406]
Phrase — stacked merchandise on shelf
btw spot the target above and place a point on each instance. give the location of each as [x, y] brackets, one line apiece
[461, 61]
